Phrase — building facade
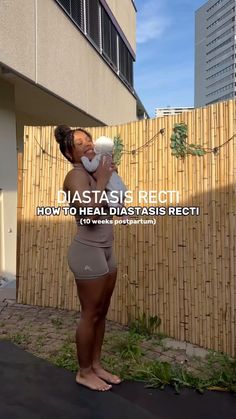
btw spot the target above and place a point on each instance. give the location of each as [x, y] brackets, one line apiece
[159, 112]
[215, 62]
[61, 61]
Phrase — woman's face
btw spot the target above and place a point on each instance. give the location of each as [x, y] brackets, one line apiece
[83, 146]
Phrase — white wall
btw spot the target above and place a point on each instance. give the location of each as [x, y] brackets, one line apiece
[8, 181]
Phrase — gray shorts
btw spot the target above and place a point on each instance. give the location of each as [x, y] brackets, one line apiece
[88, 262]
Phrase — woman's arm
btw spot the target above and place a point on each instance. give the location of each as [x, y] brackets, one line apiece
[77, 182]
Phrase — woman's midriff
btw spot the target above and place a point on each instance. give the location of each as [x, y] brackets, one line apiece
[98, 235]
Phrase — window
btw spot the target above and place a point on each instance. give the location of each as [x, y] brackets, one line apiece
[219, 73]
[222, 89]
[227, 41]
[77, 12]
[95, 23]
[75, 9]
[225, 97]
[214, 41]
[225, 61]
[109, 38]
[224, 79]
[227, 23]
[217, 21]
[222, 8]
[214, 5]
[65, 4]
[92, 20]
[221, 54]
[125, 62]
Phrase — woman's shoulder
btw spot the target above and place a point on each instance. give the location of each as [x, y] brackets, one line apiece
[77, 170]
[76, 174]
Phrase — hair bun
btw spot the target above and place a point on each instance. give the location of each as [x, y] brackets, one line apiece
[61, 132]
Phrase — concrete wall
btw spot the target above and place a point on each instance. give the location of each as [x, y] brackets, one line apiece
[8, 181]
[40, 42]
[18, 35]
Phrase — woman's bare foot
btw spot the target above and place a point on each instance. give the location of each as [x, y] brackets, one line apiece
[105, 375]
[92, 381]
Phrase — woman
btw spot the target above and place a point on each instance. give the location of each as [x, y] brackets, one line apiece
[91, 259]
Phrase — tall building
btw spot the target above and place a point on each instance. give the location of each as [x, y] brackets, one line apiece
[171, 111]
[215, 52]
[61, 61]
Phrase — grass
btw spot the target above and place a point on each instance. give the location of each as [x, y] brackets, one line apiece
[57, 322]
[159, 374]
[222, 370]
[66, 357]
[39, 342]
[124, 356]
[144, 325]
[20, 338]
[125, 345]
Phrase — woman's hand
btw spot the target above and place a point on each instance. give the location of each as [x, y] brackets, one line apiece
[104, 170]
[114, 167]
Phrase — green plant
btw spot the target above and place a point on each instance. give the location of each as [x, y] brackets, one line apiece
[118, 149]
[221, 370]
[39, 342]
[66, 357]
[70, 338]
[179, 145]
[127, 345]
[57, 322]
[122, 355]
[20, 338]
[159, 374]
[183, 378]
[145, 325]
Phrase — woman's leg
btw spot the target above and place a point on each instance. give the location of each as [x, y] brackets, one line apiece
[91, 295]
[96, 363]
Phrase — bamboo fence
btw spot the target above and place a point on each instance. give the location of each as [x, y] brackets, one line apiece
[182, 269]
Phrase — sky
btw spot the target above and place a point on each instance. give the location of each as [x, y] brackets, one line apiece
[164, 67]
